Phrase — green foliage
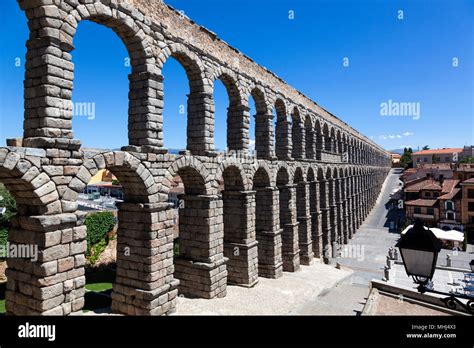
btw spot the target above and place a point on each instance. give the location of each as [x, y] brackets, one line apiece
[6, 201]
[115, 182]
[426, 147]
[467, 160]
[406, 160]
[96, 250]
[98, 225]
[176, 247]
[3, 236]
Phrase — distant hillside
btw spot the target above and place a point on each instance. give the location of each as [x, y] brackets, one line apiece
[399, 151]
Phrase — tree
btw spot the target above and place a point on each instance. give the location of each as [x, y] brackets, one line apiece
[467, 160]
[426, 147]
[8, 202]
[406, 160]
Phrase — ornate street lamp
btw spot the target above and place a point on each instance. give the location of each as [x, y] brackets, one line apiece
[419, 248]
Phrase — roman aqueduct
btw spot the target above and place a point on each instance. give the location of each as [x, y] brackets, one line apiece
[313, 182]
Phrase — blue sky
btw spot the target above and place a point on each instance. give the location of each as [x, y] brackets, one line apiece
[406, 60]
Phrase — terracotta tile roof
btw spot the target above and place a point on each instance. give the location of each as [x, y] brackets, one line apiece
[468, 181]
[465, 167]
[420, 184]
[450, 195]
[440, 166]
[438, 151]
[449, 185]
[422, 202]
[432, 187]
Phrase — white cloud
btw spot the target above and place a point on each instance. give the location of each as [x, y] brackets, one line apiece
[395, 136]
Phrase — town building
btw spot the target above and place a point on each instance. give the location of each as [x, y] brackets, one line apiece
[467, 215]
[396, 157]
[444, 155]
[437, 203]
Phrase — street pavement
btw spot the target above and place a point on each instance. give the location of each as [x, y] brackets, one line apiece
[365, 255]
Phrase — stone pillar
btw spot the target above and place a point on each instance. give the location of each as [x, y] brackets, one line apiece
[48, 85]
[311, 139]
[316, 224]
[359, 201]
[240, 244]
[284, 145]
[338, 210]
[344, 212]
[237, 128]
[290, 244]
[201, 266]
[264, 137]
[52, 281]
[145, 120]
[305, 241]
[298, 139]
[144, 283]
[319, 146]
[269, 234]
[325, 219]
[200, 128]
[332, 211]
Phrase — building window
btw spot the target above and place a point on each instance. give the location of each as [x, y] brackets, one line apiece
[417, 210]
[470, 193]
[430, 211]
[449, 205]
[435, 194]
[450, 216]
[471, 206]
[425, 159]
[427, 194]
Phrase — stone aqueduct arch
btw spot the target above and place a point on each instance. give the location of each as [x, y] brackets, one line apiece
[312, 184]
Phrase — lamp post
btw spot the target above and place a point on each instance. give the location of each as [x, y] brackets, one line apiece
[419, 248]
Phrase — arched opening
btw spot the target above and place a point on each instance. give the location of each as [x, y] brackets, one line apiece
[198, 256]
[99, 111]
[8, 211]
[122, 236]
[229, 115]
[175, 106]
[14, 89]
[262, 137]
[252, 146]
[26, 197]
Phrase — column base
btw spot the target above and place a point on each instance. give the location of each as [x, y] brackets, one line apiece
[202, 280]
[242, 267]
[291, 262]
[269, 254]
[130, 301]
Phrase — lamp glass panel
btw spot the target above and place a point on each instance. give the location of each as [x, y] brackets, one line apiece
[419, 263]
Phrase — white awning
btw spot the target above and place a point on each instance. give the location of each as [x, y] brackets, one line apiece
[442, 234]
